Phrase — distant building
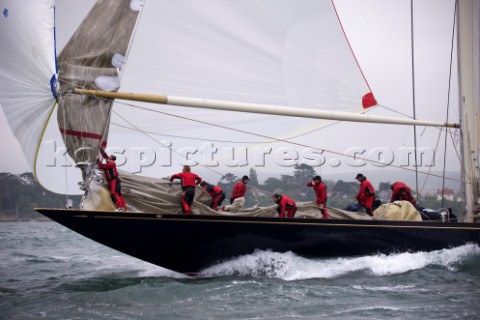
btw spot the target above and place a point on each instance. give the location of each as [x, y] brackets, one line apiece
[447, 194]
[257, 192]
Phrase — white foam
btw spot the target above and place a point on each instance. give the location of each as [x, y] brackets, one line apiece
[288, 266]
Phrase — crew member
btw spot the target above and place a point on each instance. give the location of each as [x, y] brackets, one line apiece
[366, 194]
[239, 189]
[111, 174]
[217, 194]
[400, 191]
[321, 194]
[285, 205]
[189, 181]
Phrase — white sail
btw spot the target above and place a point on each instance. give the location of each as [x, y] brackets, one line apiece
[290, 54]
[28, 70]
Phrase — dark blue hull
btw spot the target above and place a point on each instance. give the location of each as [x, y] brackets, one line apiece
[188, 244]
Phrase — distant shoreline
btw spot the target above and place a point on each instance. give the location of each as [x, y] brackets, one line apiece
[40, 219]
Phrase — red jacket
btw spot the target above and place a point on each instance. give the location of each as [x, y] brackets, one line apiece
[320, 191]
[366, 191]
[189, 179]
[212, 190]
[397, 193]
[110, 167]
[286, 204]
[239, 190]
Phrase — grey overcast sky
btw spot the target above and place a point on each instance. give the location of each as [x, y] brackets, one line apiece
[379, 33]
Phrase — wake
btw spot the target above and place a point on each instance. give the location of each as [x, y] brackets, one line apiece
[288, 266]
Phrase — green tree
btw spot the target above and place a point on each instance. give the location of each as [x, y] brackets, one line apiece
[8, 184]
[272, 184]
[22, 193]
[288, 182]
[253, 177]
[303, 173]
[227, 182]
[346, 188]
[229, 178]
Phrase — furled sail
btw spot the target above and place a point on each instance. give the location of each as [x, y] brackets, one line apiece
[28, 85]
[93, 59]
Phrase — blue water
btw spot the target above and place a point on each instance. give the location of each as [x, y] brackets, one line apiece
[49, 272]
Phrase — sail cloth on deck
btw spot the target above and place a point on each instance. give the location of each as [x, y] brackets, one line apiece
[153, 195]
[399, 210]
[27, 70]
[93, 59]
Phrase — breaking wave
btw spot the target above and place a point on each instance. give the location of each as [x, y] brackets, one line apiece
[288, 266]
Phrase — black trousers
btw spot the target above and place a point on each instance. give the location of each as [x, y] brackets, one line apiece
[189, 195]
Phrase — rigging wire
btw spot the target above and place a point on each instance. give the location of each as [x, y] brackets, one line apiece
[395, 111]
[433, 160]
[283, 140]
[431, 164]
[459, 157]
[449, 132]
[66, 166]
[448, 102]
[259, 142]
[164, 145]
[188, 138]
[228, 141]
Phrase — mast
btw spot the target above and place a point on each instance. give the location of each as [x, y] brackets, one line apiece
[260, 108]
[469, 78]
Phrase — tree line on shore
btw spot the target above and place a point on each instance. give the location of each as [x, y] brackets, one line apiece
[19, 194]
[340, 193]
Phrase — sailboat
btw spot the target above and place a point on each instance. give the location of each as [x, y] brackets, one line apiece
[263, 69]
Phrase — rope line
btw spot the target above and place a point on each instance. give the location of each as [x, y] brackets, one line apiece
[165, 146]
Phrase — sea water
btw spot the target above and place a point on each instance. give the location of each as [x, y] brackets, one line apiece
[50, 272]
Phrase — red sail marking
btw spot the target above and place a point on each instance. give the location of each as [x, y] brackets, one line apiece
[368, 101]
[81, 134]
